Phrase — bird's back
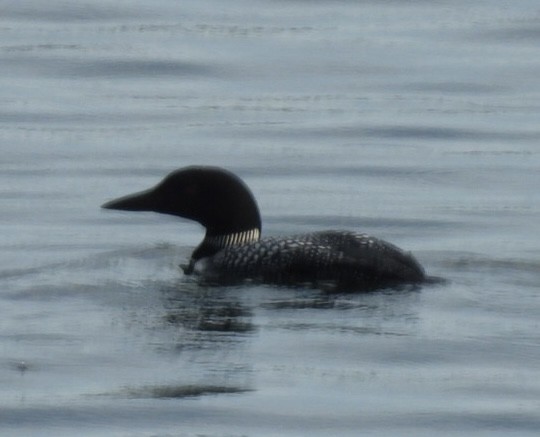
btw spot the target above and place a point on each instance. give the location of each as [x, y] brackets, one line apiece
[346, 258]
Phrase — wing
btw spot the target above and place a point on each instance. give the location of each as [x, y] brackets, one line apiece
[372, 257]
[347, 258]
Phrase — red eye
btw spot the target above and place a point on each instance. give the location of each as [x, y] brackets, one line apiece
[191, 190]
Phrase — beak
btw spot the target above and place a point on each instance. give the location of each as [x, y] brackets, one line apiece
[141, 201]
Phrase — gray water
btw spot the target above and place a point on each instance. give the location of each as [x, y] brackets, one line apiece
[414, 121]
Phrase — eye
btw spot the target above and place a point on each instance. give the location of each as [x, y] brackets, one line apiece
[191, 190]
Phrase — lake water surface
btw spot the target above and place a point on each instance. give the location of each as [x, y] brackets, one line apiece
[415, 121]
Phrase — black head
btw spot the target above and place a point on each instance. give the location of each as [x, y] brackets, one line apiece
[212, 196]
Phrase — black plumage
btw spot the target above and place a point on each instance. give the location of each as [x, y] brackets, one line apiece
[232, 249]
[340, 258]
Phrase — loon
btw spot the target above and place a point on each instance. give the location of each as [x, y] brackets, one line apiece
[233, 250]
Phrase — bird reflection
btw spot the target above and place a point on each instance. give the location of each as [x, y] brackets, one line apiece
[211, 309]
[212, 316]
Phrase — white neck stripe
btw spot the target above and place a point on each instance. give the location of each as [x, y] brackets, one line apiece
[238, 238]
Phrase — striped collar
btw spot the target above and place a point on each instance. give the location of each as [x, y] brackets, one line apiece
[213, 244]
[236, 239]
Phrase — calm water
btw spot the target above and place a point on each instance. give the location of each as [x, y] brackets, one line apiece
[414, 121]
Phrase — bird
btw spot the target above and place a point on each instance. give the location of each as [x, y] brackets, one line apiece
[232, 250]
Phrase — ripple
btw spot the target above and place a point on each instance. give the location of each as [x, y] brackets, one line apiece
[181, 391]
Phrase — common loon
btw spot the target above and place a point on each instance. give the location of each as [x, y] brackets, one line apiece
[232, 249]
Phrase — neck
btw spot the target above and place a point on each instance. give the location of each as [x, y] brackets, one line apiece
[214, 243]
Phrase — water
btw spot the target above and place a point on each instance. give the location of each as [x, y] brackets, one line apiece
[413, 121]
